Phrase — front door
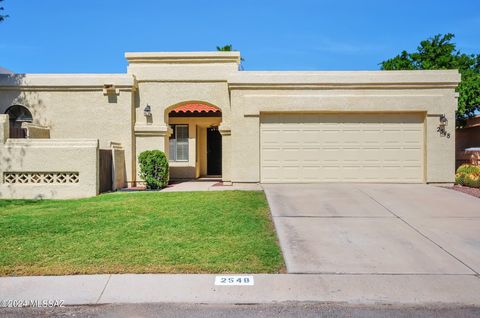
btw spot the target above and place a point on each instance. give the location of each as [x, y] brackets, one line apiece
[214, 152]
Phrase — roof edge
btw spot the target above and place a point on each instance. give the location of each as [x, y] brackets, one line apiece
[65, 80]
[353, 79]
[183, 57]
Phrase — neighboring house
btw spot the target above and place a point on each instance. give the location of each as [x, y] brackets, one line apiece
[214, 120]
[467, 141]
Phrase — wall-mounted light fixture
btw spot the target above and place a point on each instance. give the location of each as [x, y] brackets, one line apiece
[443, 120]
[441, 126]
[147, 111]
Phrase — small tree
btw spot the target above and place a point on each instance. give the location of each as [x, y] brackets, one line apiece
[154, 168]
[2, 16]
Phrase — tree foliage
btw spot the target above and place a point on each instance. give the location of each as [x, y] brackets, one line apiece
[228, 48]
[437, 53]
[2, 16]
[225, 48]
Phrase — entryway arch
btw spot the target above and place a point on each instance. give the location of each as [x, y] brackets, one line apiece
[17, 115]
[195, 143]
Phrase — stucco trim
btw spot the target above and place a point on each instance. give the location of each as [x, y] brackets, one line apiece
[62, 88]
[295, 86]
[66, 82]
[345, 80]
[225, 130]
[52, 143]
[151, 130]
[255, 104]
[182, 57]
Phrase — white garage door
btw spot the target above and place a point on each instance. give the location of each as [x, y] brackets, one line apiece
[342, 147]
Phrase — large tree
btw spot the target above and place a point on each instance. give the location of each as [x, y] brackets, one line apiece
[2, 16]
[437, 53]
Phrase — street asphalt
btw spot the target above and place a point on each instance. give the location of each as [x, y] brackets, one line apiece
[304, 310]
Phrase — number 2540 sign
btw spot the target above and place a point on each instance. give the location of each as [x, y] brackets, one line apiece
[234, 280]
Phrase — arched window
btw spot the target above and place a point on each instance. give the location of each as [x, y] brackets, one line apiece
[18, 114]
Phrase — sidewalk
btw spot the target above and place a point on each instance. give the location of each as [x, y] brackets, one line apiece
[267, 288]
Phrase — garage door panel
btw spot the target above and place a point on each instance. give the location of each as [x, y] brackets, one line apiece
[342, 147]
[270, 136]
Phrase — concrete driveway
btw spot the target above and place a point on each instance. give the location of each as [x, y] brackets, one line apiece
[376, 228]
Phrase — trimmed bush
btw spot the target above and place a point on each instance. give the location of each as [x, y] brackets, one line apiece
[468, 175]
[466, 168]
[472, 180]
[460, 178]
[154, 168]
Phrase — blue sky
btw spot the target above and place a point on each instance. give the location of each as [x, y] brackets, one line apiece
[66, 36]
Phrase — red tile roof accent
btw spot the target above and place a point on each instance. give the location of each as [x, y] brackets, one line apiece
[195, 107]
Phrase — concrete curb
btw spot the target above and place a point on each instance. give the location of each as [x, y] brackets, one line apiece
[171, 288]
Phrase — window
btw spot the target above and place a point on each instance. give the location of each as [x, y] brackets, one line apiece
[179, 143]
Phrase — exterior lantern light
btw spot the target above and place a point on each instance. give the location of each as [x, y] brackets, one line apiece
[147, 111]
[443, 120]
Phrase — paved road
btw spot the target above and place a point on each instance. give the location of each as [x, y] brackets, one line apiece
[376, 229]
[304, 310]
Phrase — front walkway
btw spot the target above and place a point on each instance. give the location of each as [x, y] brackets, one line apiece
[209, 185]
[200, 185]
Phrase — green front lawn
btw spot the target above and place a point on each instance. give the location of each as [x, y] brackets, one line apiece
[178, 232]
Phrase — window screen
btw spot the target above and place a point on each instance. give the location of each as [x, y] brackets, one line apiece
[179, 143]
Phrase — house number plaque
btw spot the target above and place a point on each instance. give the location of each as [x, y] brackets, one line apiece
[234, 280]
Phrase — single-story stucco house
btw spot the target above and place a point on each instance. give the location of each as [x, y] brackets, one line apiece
[213, 119]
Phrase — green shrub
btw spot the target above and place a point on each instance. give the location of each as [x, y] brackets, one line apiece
[468, 169]
[460, 178]
[154, 168]
[468, 175]
[472, 180]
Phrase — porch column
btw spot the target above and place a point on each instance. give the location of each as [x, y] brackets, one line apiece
[226, 133]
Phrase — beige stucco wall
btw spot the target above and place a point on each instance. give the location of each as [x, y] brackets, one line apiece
[47, 168]
[74, 106]
[253, 93]
[36, 131]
